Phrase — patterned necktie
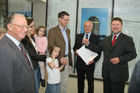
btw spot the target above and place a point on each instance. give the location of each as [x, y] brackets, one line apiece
[113, 41]
[23, 50]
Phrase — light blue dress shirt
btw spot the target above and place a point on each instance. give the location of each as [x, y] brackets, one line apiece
[66, 39]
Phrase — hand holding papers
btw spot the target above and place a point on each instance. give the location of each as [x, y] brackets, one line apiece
[86, 54]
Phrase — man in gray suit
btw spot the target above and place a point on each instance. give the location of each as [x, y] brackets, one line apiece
[17, 75]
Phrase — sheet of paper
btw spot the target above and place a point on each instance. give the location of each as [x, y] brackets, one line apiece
[86, 54]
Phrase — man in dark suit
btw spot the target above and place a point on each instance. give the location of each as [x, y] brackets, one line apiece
[82, 68]
[60, 36]
[17, 74]
[118, 50]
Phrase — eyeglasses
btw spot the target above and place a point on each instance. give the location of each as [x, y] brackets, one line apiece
[21, 26]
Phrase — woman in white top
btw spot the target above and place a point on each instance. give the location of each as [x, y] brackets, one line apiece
[53, 71]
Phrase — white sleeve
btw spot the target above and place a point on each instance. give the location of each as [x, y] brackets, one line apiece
[48, 60]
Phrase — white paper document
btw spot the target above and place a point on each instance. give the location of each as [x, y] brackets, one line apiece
[86, 54]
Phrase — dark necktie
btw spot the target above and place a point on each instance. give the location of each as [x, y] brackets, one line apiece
[86, 36]
[24, 52]
[113, 41]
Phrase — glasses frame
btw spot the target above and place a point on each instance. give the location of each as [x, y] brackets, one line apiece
[21, 26]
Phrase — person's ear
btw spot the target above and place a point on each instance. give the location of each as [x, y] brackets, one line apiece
[9, 26]
[59, 19]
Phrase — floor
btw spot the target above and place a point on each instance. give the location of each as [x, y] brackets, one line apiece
[72, 86]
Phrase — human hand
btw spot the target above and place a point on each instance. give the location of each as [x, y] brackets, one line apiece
[63, 60]
[52, 56]
[76, 52]
[70, 68]
[85, 41]
[115, 60]
[90, 62]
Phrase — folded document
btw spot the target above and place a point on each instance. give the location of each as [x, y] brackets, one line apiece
[86, 54]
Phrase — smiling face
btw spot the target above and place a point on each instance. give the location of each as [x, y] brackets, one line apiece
[88, 26]
[64, 21]
[18, 27]
[116, 27]
[55, 51]
[31, 28]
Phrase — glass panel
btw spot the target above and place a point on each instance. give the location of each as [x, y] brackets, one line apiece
[2, 13]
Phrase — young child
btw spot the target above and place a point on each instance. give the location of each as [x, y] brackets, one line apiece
[53, 71]
[41, 44]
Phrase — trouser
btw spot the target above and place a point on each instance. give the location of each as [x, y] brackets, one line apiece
[42, 71]
[113, 87]
[81, 78]
[53, 88]
[64, 78]
[37, 84]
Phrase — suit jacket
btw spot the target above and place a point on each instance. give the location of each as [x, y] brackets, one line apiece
[35, 57]
[123, 48]
[135, 79]
[94, 39]
[55, 37]
[16, 73]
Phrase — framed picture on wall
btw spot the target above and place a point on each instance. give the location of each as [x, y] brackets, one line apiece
[20, 6]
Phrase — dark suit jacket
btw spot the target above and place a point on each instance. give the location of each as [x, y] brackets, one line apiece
[16, 73]
[35, 57]
[123, 48]
[94, 39]
[55, 37]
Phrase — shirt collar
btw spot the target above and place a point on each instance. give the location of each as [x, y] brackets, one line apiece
[62, 28]
[88, 33]
[13, 39]
[116, 34]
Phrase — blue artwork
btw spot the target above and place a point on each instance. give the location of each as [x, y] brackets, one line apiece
[99, 18]
[26, 13]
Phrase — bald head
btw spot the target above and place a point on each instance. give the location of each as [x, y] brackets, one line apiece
[88, 25]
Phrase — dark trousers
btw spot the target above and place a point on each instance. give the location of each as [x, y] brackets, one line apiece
[113, 87]
[81, 77]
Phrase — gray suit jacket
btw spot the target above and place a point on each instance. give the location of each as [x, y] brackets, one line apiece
[16, 73]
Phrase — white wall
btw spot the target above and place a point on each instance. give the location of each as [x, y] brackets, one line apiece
[39, 13]
[56, 6]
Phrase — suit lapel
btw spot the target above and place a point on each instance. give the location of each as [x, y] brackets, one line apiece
[81, 38]
[109, 41]
[19, 53]
[60, 33]
[91, 36]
